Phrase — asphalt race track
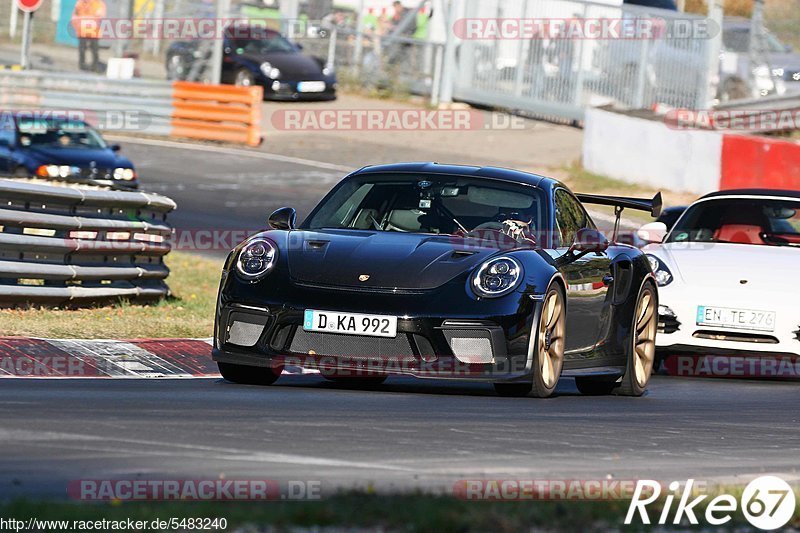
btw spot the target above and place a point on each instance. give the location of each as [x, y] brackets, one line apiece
[228, 188]
[404, 434]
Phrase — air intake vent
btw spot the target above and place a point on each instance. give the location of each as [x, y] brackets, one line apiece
[470, 346]
[245, 329]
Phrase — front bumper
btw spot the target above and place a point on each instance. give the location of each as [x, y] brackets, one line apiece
[287, 90]
[489, 347]
[679, 331]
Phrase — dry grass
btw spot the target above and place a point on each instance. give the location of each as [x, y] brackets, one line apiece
[189, 313]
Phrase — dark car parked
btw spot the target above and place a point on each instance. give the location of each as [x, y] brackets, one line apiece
[260, 57]
[61, 149]
[440, 271]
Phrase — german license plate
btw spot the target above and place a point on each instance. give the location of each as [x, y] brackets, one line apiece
[725, 317]
[350, 323]
[311, 87]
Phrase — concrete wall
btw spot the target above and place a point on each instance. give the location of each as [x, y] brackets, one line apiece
[651, 153]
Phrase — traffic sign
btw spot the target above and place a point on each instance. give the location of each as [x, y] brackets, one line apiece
[29, 6]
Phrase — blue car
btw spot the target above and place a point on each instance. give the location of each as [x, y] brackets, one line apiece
[61, 149]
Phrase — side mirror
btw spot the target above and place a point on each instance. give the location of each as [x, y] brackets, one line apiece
[789, 49]
[5, 143]
[283, 219]
[115, 147]
[589, 240]
[299, 46]
[652, 233]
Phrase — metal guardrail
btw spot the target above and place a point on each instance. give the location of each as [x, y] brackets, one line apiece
[784, 102]
[73, 245]
[150, 102]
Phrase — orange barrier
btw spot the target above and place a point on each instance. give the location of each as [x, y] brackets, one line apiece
[217, 112]
[749, 161]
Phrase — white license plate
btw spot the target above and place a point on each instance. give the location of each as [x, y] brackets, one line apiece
[725, 317]
[311, 87]
[350, 323]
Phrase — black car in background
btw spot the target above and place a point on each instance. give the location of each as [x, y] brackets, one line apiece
[61, 149]
[439, 271]
[260, 57]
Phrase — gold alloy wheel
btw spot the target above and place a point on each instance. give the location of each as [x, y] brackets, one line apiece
[644, 342]
[551, 339]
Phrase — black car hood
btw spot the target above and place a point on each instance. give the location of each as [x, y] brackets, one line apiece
[391, 260]
[81, 157]
[292, 65]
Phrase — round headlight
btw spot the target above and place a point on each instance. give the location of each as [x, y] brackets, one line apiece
[497, 277]
[660, 270]
[256, 259]
[269, 71]
[126, 174]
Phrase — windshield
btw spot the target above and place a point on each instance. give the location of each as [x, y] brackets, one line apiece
[426, 204]
[741, 221]
[268, 45]
[59, 134]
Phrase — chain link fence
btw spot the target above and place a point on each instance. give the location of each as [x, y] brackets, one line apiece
[546, 75]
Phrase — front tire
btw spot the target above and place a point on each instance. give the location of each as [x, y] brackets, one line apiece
[176, 68]
[642, 344]
[249, 375]
[548, 355]
[244, 78]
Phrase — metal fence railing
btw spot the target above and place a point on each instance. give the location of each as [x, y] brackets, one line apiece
[73, 245]
[562, 76]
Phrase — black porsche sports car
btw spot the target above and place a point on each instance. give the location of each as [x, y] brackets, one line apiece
[444, 272]
[259, 56]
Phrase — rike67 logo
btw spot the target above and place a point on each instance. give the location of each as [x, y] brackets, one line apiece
[768, 503]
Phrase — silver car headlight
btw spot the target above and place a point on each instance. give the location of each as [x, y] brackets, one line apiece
[269, 71]
[256, 259]
[660, 270]
[497, 277]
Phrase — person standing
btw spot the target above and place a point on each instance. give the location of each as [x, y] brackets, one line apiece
[86, 22]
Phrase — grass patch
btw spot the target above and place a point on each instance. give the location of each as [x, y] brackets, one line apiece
[189, 313]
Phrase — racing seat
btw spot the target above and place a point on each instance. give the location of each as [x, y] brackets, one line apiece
[740, 234]
[741, 225]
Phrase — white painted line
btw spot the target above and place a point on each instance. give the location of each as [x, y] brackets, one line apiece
[231, 151]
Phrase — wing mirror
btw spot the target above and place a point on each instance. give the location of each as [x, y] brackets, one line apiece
[5, 143]
[652, 233]
[115, 147]
[283, 219]
[589, 240]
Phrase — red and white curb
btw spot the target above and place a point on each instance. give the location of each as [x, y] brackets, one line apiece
[23, 357]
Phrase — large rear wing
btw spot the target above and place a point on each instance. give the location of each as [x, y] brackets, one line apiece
[620, 202]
